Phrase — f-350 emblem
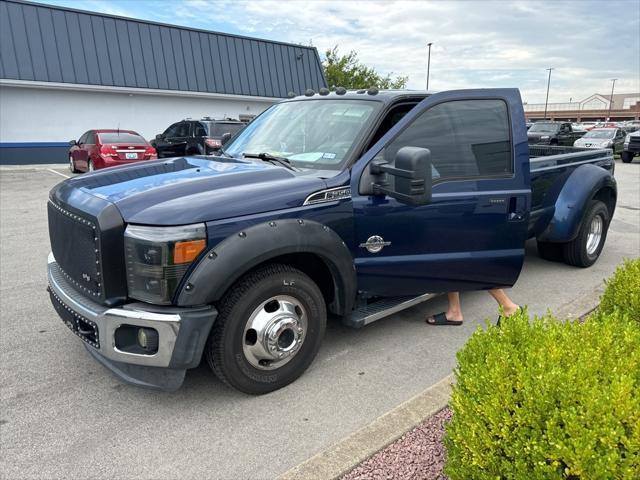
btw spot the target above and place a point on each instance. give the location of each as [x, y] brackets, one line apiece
[375, 244]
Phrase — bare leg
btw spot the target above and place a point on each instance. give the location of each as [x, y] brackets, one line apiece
[504, 301]
[454, 310]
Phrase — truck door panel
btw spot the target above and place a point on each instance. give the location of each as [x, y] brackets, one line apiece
[471, 235]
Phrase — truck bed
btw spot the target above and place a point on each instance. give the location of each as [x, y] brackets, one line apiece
[550, 167]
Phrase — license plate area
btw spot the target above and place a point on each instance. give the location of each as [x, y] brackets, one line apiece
[131, 156]
[82, 327]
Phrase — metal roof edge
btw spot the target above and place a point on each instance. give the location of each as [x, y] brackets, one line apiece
[161, 24]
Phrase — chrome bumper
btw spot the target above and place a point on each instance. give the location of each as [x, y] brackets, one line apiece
[108, 320]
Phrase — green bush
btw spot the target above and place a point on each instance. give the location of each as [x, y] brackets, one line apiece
[623, 290]
[548, 400]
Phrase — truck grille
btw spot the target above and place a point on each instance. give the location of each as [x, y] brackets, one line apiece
[634, 144]
[75, 242]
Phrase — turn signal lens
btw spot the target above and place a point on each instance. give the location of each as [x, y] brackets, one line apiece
[185, 252]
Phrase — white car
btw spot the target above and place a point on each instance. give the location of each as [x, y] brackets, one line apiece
[602, 138]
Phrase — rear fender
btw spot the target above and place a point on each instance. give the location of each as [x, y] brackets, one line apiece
[236, 255]
[583, 184]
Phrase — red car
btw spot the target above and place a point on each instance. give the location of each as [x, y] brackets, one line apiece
[107, 148]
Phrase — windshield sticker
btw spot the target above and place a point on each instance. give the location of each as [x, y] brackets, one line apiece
[329, 156]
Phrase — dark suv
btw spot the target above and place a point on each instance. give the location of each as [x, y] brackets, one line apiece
[195, 137]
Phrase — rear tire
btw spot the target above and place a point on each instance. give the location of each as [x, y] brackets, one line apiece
[72, 165]
[584, 250]
[277, 302]
[550, 251]
[626, 157]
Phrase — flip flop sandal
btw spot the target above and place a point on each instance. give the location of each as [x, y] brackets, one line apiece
[441, 319]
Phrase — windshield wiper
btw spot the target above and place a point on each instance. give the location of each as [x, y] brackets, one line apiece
[267, 157]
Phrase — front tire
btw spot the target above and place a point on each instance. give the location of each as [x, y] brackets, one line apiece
[268, 331]
[627, 157]
[584, 250]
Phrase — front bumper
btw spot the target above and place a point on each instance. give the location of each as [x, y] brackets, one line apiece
[182, 333]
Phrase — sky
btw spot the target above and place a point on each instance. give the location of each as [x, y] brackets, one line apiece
[476, 44]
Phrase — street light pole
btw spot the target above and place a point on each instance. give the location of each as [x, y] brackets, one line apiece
[547, 99]
[611, 99]
[428, 63]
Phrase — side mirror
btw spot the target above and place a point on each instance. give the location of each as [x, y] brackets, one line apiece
[159, 136]
[412, 175]
[73, 142]
[225, 138]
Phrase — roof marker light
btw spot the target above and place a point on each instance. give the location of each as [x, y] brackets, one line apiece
[309, 92]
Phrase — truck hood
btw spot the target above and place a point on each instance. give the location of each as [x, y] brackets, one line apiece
[180, 191]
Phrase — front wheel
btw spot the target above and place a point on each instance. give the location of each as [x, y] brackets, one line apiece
[268, 331]
[584, 250]
[626, 157]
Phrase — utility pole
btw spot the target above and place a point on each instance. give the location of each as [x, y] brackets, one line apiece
[428, 63]
[611, 98]
[547, 100]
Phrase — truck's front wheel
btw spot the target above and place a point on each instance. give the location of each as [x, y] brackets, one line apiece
[269, 329]
[584, 250]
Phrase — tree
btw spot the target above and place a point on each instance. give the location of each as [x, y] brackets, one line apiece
[347, 71]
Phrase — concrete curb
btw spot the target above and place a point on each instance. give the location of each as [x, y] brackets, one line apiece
[342, 457]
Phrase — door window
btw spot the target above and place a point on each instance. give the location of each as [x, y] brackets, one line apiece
[200, 131]
[467, 139]
[91, 138]
[172, 131]
[83, 138]
[183, 129]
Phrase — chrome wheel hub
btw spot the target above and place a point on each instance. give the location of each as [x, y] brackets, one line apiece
[594, 235]
[275, 332]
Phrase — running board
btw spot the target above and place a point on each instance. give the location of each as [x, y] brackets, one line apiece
[382, 308]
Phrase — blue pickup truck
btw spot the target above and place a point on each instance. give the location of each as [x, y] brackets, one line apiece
[357, 204]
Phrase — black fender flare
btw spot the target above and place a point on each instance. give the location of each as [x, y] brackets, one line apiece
[225, 263]
[583, 184]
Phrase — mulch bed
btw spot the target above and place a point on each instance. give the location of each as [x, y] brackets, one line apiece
[418, 454]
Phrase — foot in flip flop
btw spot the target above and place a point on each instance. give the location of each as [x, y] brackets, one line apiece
[441, 319]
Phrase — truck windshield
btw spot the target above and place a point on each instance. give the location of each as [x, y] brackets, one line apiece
[310, 133]
[544, 127]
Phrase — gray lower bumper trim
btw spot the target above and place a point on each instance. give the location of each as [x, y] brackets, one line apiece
[168, 379]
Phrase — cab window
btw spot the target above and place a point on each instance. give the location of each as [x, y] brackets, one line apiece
[467, 139]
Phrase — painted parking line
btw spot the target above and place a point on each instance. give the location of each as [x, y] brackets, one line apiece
[58, 173]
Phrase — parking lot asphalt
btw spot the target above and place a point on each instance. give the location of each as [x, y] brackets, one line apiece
[65, 416]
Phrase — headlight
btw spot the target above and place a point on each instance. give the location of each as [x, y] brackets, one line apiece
[158, 257]
[627, 139]
[544, 137]
[606, 144]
